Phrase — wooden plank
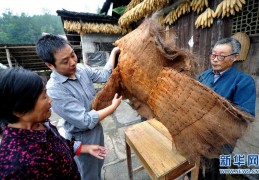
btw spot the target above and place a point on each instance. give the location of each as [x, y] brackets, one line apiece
[16, 47]
[30, 62]
[34, 66]
[32, 47]
[38, 69]
[184, 168]
[147, 167]
[20, 55]
[25, 51]
[160, 127]
[73, 35]
[137, 169]
[153, 149]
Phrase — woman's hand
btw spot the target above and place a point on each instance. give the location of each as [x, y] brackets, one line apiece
[95, 150]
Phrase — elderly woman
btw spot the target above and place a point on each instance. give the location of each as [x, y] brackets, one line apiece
[31, 147]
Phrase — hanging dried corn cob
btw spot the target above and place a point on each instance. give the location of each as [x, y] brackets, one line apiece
[72, 26]
[141, 10]
[183, 8]
[161, 19]
[170, 18]
[102, 28]
[229, 7]
[199, 5]
[205, 19]
[85, 28]
[132, 4]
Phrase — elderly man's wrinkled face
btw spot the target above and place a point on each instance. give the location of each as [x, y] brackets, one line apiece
[222, 57]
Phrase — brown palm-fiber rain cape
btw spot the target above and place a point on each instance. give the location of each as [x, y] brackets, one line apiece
[156, 77]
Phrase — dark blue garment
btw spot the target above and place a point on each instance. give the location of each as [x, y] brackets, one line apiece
[236, 86]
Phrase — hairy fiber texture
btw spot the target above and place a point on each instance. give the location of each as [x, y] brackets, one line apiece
[157, 77]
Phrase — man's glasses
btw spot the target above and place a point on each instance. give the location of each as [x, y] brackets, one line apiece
[220, 57]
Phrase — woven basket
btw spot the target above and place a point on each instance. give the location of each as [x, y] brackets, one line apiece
[244, 39]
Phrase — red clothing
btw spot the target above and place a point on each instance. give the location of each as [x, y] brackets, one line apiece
[36, 154]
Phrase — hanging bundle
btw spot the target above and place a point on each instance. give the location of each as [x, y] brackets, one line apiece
[156, 77]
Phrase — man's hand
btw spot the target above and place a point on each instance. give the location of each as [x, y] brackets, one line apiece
[116, 101]
[110, 109]
[115, 50]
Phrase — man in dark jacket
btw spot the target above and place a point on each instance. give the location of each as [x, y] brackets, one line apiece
[226, 80]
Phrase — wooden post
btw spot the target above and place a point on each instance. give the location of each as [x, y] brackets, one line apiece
[129, 162]
[195, 171]
[8, 57]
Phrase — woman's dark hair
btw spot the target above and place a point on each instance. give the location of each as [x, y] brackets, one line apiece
[19, 91]
[48, 45]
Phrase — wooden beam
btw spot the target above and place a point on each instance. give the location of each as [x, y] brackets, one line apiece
[23, 51]
[72, 34]
[75, 41]
[33, 64]
[22, 56]
[38, 68]
[78, 47]
[16, 47]
[21, 47]
[31, 60]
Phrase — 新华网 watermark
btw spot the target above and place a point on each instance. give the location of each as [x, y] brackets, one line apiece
[251, 161]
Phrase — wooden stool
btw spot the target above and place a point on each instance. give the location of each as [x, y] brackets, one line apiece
[152, 144]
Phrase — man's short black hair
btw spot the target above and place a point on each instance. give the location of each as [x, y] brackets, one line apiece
[48, 45]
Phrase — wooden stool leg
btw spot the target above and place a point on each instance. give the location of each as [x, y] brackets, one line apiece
[129, 162]
[195, 171]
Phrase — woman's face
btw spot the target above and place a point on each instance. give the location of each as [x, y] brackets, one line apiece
[41, 110]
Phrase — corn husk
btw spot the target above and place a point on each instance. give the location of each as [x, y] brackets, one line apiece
[86, 28]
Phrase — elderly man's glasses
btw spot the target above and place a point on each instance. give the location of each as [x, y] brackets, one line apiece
[220, 57]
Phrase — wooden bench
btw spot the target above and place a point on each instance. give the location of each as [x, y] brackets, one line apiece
[152, 144]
